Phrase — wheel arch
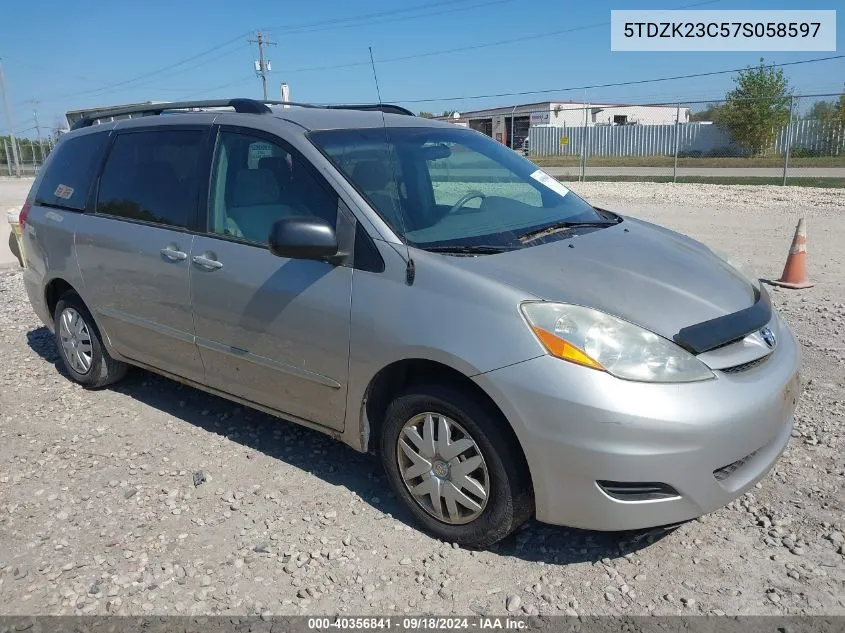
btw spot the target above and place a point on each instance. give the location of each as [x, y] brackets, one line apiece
[53, 291]
[400, 375]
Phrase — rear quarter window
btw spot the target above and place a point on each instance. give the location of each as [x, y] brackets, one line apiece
[71, 170]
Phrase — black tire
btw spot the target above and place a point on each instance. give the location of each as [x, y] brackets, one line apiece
[104, 370]
[510, 500]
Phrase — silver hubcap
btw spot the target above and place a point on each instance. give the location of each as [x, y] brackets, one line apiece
[75, 340]
[443, 469]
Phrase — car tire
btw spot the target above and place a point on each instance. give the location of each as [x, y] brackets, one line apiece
[508, 501]
[80, 346]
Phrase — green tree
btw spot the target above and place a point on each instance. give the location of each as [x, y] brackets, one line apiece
[842, 107]
[448, 113]
[707, 114]
[831, 116]
[825, 112]
[756, 108]
[427, 115]
[29, 150]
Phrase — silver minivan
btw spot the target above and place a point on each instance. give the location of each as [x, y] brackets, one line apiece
[417, 290]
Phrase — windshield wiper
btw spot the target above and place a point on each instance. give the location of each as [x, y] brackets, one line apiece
[458, 249]
[561, 226]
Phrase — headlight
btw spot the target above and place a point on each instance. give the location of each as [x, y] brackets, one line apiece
[607, 343]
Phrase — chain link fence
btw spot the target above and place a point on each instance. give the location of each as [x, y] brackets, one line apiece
[796, 140]
[31, 154]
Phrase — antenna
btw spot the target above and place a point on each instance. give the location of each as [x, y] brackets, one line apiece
[410, 269]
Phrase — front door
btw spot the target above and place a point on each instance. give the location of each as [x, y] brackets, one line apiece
[134, 250]
[271, 330]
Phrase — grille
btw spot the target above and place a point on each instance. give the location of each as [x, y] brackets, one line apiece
[745, 366]
[726, 471]
[638, 490]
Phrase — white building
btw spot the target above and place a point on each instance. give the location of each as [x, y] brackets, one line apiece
[510, 124]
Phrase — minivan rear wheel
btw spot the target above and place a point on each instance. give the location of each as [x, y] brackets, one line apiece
[448, 459]
[79, 345]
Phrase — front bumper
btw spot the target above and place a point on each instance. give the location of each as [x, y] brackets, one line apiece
[578, 426]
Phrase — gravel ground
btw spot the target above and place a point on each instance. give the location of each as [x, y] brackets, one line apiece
[151, 497]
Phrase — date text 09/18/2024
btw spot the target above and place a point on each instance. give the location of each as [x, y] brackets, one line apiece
[421, 623]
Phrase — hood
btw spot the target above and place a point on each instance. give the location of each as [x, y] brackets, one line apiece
[640, 272]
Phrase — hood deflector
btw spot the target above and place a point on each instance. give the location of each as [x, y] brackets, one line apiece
[707, 335]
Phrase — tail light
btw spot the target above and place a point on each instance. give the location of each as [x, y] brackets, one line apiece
[24, 212]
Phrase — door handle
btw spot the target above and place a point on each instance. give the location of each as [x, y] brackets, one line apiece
[173, 253]
[206, 262]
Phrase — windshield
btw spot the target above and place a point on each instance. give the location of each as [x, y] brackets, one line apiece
[452, 187]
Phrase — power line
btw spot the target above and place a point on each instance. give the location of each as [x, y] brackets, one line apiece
[485, 5]
[302, 27]
[447, 51]
[226, 85]
[110, 87]
[155, 87]
[367, 16]
[615, 84]
[473, 47]
[205, 62]
[18, 125]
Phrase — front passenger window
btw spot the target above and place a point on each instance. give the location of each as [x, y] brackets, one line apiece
[256, 182]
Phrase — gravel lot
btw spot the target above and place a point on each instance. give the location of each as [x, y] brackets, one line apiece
[103, 508]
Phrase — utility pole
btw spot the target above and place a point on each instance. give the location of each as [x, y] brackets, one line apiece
[38, 131]
[8, 158]
[262, 66]
[9, 121]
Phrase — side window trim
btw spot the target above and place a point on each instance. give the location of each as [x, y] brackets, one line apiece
[94, 193]
[203, 174]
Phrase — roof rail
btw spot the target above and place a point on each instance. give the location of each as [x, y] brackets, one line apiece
[248, 106]
[388, 108]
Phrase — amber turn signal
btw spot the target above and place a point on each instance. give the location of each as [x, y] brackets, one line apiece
[564, 350]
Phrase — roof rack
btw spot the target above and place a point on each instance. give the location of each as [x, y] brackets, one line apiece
[382, 107]
[247, 106]
[387, 108]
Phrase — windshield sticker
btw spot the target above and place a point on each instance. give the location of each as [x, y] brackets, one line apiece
[64, 192]
[552, 183]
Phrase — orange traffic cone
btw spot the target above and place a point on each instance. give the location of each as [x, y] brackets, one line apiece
[795, 271]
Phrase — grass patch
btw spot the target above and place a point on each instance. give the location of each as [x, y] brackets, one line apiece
[831, 183]
[704, 161]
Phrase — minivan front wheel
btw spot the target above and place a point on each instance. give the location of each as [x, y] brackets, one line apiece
[79, 345]
[448, 459]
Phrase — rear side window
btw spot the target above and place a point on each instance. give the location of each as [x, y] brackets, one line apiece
[152, 176]
[73, 165]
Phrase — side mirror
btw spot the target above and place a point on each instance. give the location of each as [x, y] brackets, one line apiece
[303, 237]
[436, 152]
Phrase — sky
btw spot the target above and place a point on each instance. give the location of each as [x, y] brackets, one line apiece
[95, 53]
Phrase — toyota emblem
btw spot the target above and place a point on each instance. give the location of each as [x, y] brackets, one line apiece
[768, 337]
